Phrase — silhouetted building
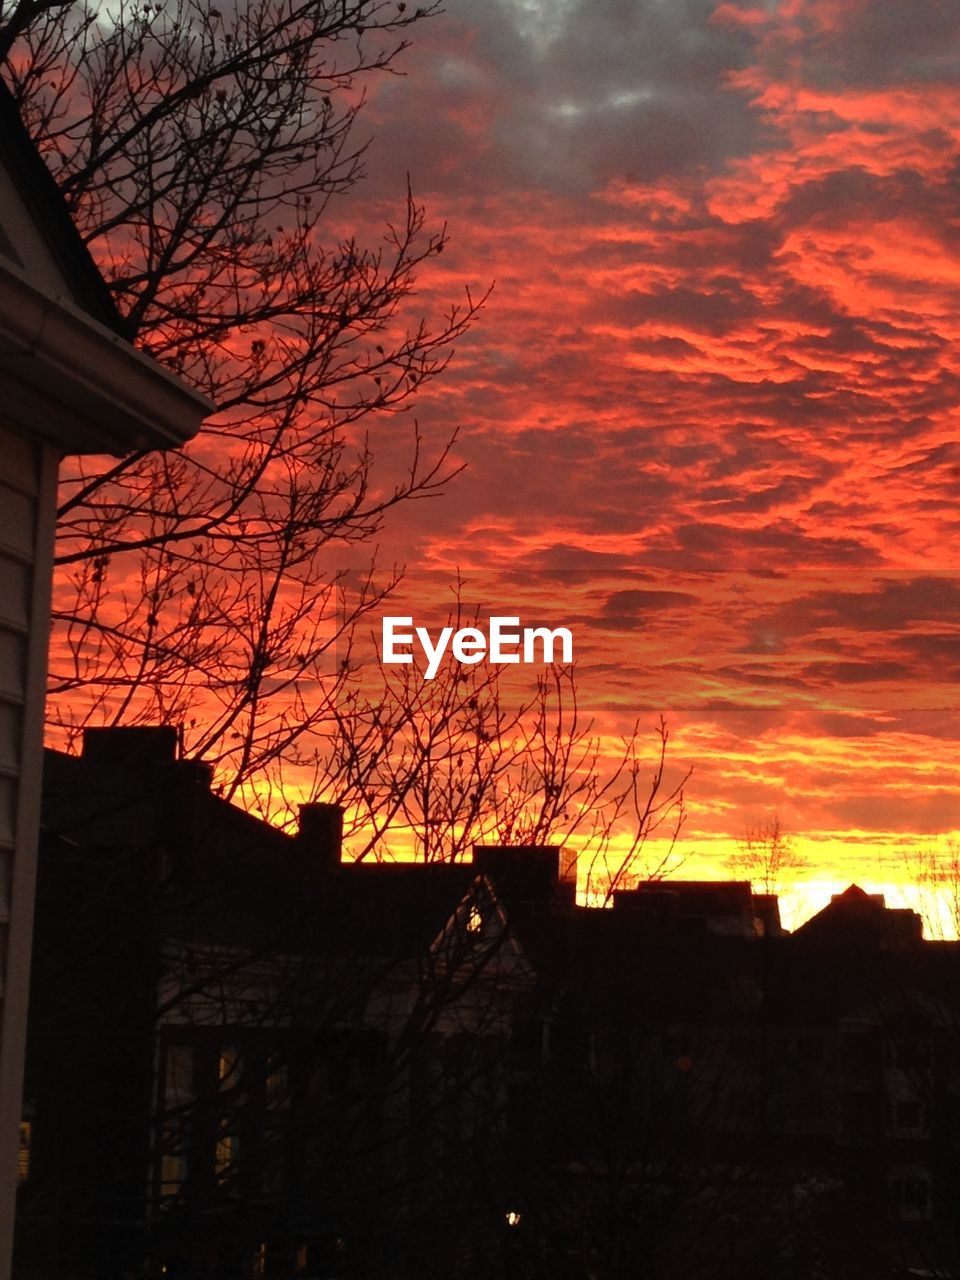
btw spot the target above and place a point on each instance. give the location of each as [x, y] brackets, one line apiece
[236, 1038]
[723, 907]
[250, 1058]
[724, 1100]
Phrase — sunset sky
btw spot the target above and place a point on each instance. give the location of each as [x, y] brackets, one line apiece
[709, 411]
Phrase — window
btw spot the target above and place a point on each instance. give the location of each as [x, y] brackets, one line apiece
[475, 920]
[177, 1094]
[276, 1087]
[173, 1165]
[276, 1102]
[908, 1054]
[860, 1116]
[226, 1153]
[178, 1076]
[229, 1075]
[858, 1054]
[906, 1117]
[23, 1152]
[272, 1172]
[230, 1068]
[910, 1190]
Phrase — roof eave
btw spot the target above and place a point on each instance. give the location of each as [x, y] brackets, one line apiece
[114, 398]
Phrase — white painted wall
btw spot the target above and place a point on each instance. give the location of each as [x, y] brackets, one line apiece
[28, 472]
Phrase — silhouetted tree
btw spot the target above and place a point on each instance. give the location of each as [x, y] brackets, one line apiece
[202, 152]
[766, 854]
[436, 767]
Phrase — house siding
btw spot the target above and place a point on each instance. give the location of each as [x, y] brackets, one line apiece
[28, 471]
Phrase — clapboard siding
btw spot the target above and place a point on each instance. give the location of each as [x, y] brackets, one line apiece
[21, 663]
[18, 520]
[13, 664]
[8, 811]
[20, 463]
[20, 467]
[27, 512]
[16, 582]
[11, 730]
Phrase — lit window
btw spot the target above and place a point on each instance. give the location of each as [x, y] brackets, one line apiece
[226, 1153]
[230, 1067]
[177, 1094]
[23, 1153]
[513, 1218]
[178, 1078]
[173, 1167]
[475, 920]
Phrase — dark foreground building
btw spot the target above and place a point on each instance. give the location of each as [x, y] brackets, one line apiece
[247, 1059]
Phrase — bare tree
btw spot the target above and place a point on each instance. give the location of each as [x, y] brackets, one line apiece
[202, 152]
[766, 854]
[935, 871]
[467, 759]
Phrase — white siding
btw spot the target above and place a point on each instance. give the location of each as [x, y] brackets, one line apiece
[20, 466]
[16, 580]
[27, 508]
[11, 731]
[13, 665]
[18, 514]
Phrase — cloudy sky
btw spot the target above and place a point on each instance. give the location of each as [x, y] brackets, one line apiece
[711, 405]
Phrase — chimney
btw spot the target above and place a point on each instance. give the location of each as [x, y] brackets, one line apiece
[321, 832]
[131, 746]
[153, 750]
[526, 873]
[195, 774]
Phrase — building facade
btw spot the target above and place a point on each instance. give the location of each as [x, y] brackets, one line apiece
[249, 1058]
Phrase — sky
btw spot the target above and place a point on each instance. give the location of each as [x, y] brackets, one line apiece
[708, 414]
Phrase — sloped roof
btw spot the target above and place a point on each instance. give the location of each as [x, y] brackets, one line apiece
[853, 913]
[41, 195]
[235, 879]
[70, 373]
[387, 909]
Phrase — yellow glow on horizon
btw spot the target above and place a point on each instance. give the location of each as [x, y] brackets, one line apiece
[825, 864]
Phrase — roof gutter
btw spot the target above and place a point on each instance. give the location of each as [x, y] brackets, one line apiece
[76, 383]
